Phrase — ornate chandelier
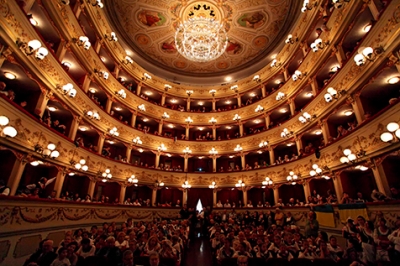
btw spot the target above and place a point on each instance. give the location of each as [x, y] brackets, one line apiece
[201, 39]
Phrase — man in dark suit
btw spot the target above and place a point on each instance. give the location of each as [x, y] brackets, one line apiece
[45, 256]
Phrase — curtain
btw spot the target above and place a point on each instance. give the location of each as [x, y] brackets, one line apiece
[204, 194]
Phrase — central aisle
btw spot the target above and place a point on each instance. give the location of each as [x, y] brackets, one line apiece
[199, 253]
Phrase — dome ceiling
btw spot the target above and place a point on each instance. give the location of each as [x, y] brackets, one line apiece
[255, 29]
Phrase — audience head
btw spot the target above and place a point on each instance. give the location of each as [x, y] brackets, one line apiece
[127, 258]
[154, 258]
[242, 261]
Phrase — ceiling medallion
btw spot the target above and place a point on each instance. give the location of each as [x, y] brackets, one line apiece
[201, 38]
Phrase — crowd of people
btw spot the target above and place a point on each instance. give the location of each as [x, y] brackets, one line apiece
[126, 244]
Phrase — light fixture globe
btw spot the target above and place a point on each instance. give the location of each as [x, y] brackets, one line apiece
[392, 127]
[386, 137]
[347, 152]
[201, 39]
[10, 132]
[4, 120]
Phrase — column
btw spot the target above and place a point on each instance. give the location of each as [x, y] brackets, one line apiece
[74, 127]
[243, 159]
[325, 131]
[337, 183]
[245, 197]
[239, 101]
[187, 132]
[97, 46]
[373, 9]
[271, 155]
[306, 187]
[240, 128]
[100, 143]
[184, 197]
[185, 163]
[28, 5]
[299, 143]
[214, 163]
[122, 193]
[154, 197]
[213, 104]
[139, 88]
[61, 51]
[77, 9]
[157, 162]
[128, 153]
[92, 185]
[42, 102]
[133, 119]
[263, 92]
[163, 99]
[86, 83]
[276, 195]
[59, 181]
[357, 107]
[292, 107]
[286, 74]
[304, 48]
[160, 124]
[215, 197]
[15, 176]
[381, 179]
[340, 55]
[314, 86]
[109, 104]
[214, 132]
[188, 105]
[267, 120]
[116, 71]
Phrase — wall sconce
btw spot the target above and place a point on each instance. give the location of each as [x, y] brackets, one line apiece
[298, 75]
[212, 92]
[102, 74]
[32, 47]
[361, 167]
[82, 41]
[306, 117]
[137, 141]
[121, 93]
[292, 177]
[366, 53]
[393, 134]
[267, 182]
[142, 108]
[68, 89]
[275, 63]
[213, 151]
[159, 184]
[7, 131]
[212, 121]
[280, 96]
[317, 171]
[339, 3]
[189, 92]
[133, 179]
[238, 148]
[112, 37]
[234, 88]
[81, 165]
[257, 79]
[106, 175]
[290, 39]
[286, 133]
[146, 77]
[240, 184]
[114, 132]
[318, 44]
[213, 185]
[187, 150]
[263, 144]
[97, 3]
[259, 109]
[167, 87]
[186, 185]
[165, 115]
[127, 60]
[162, 147]
[92, 115]
[333, 94]
[189, 120]
[307, 6]
[49, 152]
[236, 118]
[350, 157]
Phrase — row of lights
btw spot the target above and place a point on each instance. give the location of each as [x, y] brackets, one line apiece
[48, 152]
[106, 175]
[6, 129]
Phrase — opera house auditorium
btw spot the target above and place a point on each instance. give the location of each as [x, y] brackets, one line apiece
[186, 132]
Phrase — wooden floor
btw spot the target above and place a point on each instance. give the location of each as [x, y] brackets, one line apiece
[199, 253]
